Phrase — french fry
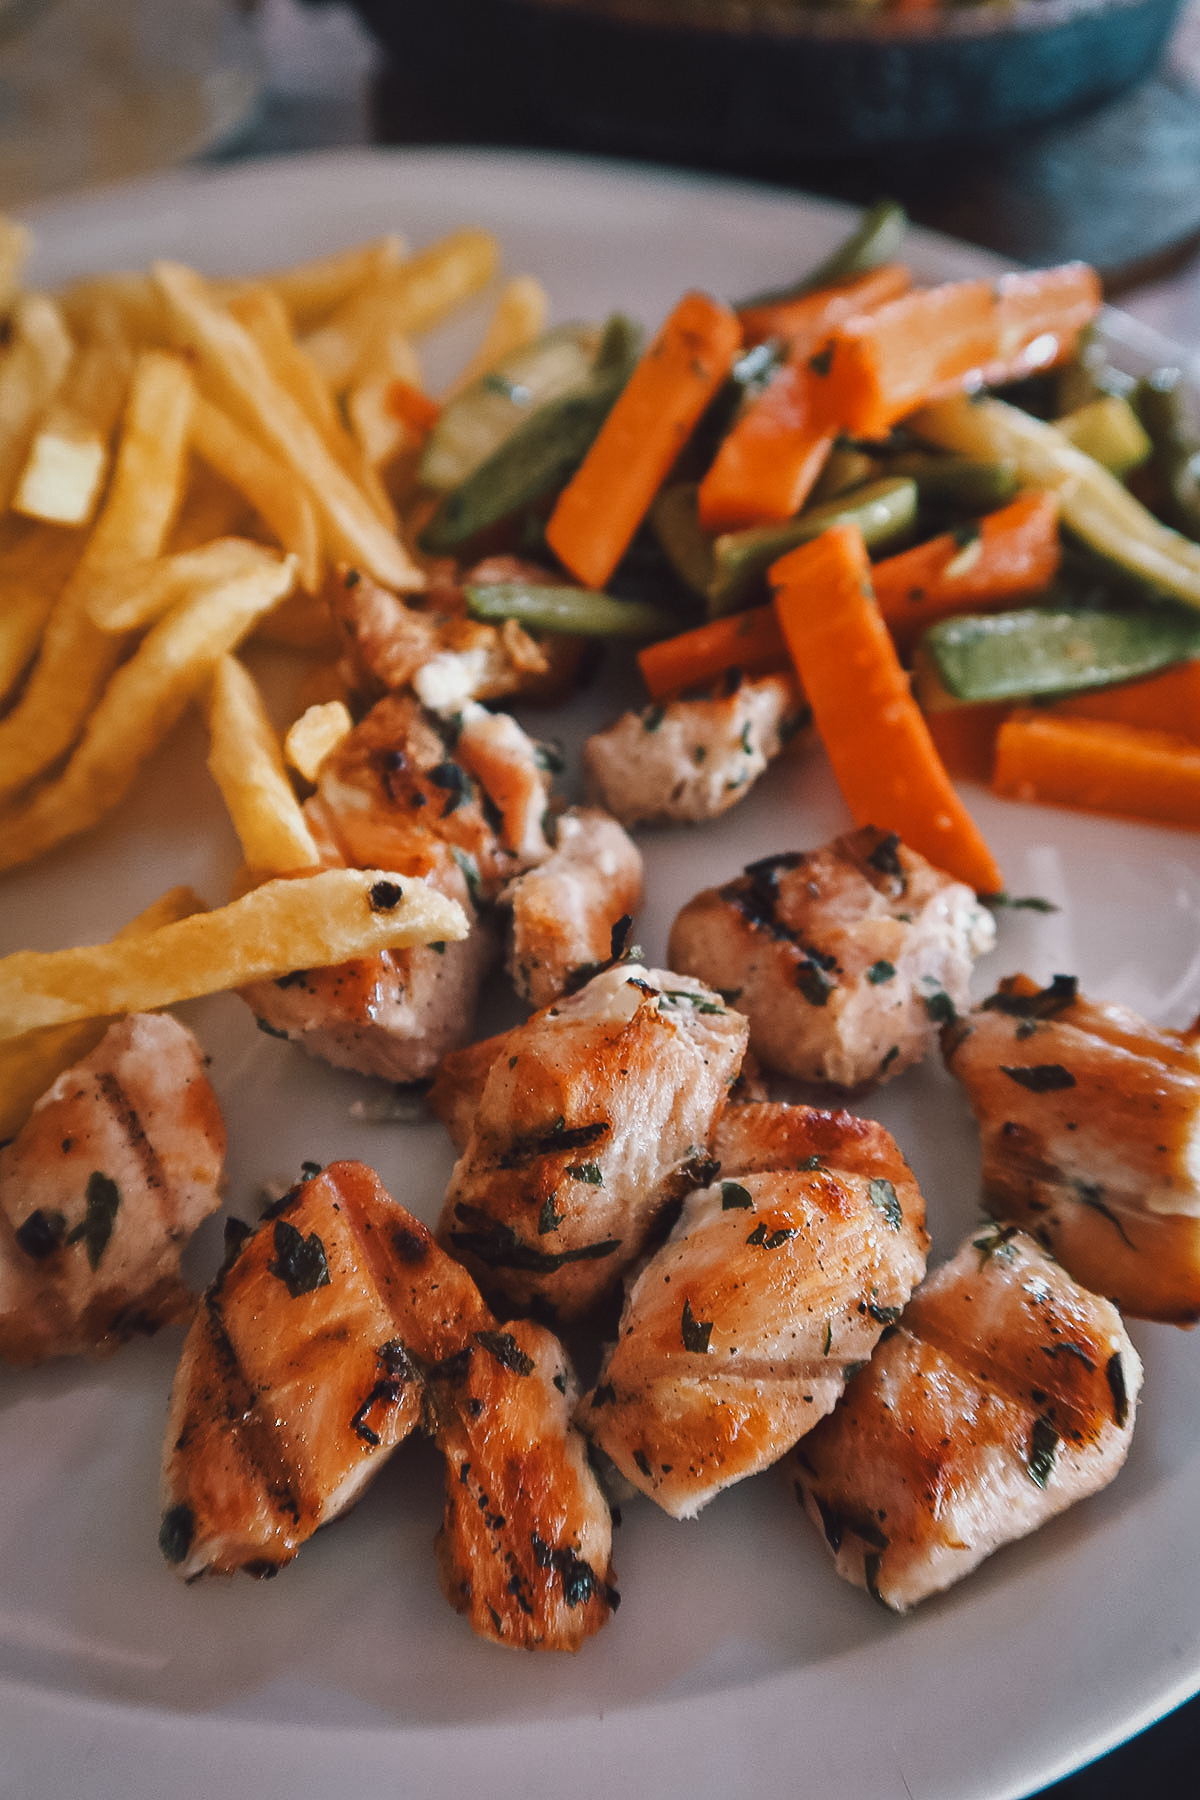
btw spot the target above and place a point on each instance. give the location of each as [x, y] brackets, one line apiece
[311, 290]
[246, 763]
[521, 313]
[33, 571]
[265, 318]
[16, 241]
[234, 370]
[68, 458]
[310, 738]
[32, 367]
[76, 656]
[267, 483]
[211, 508]
[410, 299]
[128, 300]
[137, 597]
[379, 432]
[311, 921]
[30, 1063]
[139, 706]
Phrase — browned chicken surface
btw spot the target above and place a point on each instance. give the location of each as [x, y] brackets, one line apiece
[118, 1164]
[739, 1334]
[691, 759]
[333, 1331]
[1006, 1393]
[594, 1115]
[525, 1545]
[564, 911]
[1090, 1124]
[394, 795]
[846, 959]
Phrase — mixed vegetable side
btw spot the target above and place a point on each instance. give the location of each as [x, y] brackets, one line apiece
[972, 539]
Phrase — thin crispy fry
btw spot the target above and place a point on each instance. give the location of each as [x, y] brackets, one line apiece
[267, 483]
[211, 508]
[246, 763]
[129, 299]
[32, 368]
[28, 1064]
[16, 241]
[76, 657]
[311, 290]
[312, 921]
[233, 366]
[521, 313]
[265, 318]
[68, 458]
[410, 299]
[33, 571]
[317, 731]
[134, 598]
[141, 703]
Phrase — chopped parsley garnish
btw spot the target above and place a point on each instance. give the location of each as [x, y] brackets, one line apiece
[695, 1332]
[300, 1262]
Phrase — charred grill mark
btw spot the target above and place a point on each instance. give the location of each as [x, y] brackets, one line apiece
[560, 1137]
[257, 1438]
[121, 1106]
[497, 1246]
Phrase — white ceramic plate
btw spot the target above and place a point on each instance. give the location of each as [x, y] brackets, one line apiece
[738, 1662]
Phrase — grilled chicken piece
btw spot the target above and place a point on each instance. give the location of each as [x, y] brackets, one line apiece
[428, 644]
[337, 1328]
[846, 959]
[390, 796]
[1090, 1121]
[692, 759]
[118, 1164]
[564, 912]
[740, 1333]
[525, 1549]
[1005, 1394]
[595, 1114]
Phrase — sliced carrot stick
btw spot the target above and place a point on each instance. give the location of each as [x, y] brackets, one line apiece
[768, 461]
[965, 738]
[750, 641]
[803, 323]
[1169, 701]
[878, 743]
[412, 406]
[878, 367]
[605, 501]
[1099, 765]
[1011, 554]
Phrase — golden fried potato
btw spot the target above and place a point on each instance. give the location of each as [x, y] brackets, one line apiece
[312, 921]
[246, 763]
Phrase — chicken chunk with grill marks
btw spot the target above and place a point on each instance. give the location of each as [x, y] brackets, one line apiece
[776, 1283]
[594, 1116]
[336, 1329]
[391, 796]
[846, 959]
[692, 758]
[564, 911]
[1090, 1124]
[1006, 1393]
[525, 1545]
[118, 1164]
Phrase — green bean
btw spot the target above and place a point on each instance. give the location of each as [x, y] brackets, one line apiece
[581, 612]
[1159, 402]
[957, 481]
[876, 239]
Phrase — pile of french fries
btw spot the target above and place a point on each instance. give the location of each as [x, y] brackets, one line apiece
[182, 461]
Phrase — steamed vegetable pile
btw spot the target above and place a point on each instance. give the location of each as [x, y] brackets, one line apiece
[972, 537]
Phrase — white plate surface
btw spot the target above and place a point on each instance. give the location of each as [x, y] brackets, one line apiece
[738, 1663]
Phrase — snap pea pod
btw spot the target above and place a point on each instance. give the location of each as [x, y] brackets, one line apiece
[1159, 403]
[541, 455]
[725, 571]
[1109, 430]
[1041, 651]
[1092, 502]
[876, 239]
[581, 612]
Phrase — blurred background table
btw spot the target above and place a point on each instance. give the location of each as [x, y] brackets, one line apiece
[1121, 187]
